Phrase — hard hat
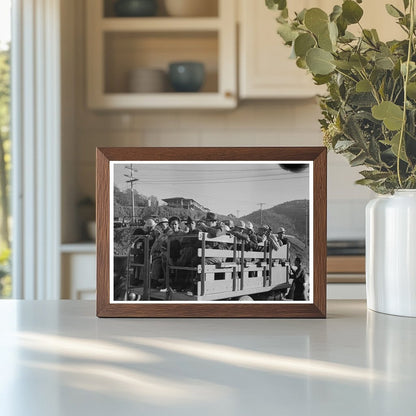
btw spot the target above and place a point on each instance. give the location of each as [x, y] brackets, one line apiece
[239, 224]
[229, 223]
[150, 222]
[163, 220]
[249, 226]
[281, 230]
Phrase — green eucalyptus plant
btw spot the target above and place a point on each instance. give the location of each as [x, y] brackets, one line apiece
[369, 113]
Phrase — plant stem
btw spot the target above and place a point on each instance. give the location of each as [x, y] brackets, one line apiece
[406, 80]
[346, 75]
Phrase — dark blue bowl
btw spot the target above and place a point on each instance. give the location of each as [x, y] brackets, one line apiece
[135, 8]
[186, 76]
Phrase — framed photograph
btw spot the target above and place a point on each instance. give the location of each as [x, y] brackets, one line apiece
[211, 232]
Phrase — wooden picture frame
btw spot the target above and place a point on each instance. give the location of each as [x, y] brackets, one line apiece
[313, 307]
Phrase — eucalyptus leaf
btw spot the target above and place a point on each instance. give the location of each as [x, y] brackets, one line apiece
[276, 4]
[388, 112]
[374, 174]
[365, 182]
[351, 11]
[287, 33]
[374, 150]
[411, 90]
[333, 32]
[369, 36]
[301, 15]
[358, 61]
[321, 79]
[301, 63]
[281, 19]
[353, 131]
[393, 11]
[343, 145]
[303, 43]
[325, 42]
[342, 25]
[358, 160]
[384, 62]
[336, 12]
[347, 37]
[316, 20]
[345, 65]
[394, 145]
[363, 86]
[375, 35]
[320, 61]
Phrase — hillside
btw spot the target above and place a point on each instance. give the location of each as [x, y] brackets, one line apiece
[292, 215]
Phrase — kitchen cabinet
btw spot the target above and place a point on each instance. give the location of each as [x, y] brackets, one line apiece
[78, 263]
[265, 69]
[118, 45]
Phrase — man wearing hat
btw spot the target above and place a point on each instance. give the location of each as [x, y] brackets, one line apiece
[163, 225]
[213, 229]
[210, 225]
[281, 236]
[297, 273]
[266, 234]
[188, 256]
[149, 229]
[238, 230]
[159, 249]
[254, 239]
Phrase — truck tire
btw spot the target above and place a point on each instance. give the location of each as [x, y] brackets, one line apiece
[245, 298]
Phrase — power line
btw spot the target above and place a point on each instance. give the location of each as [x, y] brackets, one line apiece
[131, 180]
[224, 181]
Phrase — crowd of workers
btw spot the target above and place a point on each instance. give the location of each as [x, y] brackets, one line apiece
[184, 244]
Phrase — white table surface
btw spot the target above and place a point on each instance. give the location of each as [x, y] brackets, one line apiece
[57, 358]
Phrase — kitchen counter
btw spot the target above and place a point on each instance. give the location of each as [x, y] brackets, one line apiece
[57, 358]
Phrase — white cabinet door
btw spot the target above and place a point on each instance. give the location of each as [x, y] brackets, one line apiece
[266, 71]
[265, 68]
[78, 276]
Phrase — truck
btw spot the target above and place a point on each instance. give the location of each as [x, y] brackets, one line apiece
[223, 268]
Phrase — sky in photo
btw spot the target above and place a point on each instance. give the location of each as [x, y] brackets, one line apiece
[223, 188]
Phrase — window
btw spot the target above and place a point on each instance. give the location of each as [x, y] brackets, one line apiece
[5, 147]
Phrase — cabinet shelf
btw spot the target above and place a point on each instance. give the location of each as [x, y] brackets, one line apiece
[116, 46]
[198, 100]
[160, 24]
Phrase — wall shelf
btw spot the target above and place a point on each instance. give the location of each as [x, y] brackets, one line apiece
[160, 24]
[116, 46]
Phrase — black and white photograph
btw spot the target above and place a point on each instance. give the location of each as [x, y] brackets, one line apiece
[211, 231]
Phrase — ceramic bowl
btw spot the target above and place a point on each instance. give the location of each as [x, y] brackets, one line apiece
[135, 8]
[186, 76]
[147, 80]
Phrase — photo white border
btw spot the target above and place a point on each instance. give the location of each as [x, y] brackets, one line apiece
[225, 162]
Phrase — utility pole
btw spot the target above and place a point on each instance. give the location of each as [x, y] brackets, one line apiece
[131, 180]
[238, 213]
[261, 211]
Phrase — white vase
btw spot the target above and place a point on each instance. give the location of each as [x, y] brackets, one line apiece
[391, 253]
